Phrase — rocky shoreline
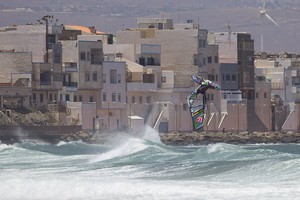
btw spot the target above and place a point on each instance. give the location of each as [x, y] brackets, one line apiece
[200, 138]
[203, 138]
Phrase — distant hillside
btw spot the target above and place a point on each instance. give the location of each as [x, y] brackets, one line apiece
[110, 16]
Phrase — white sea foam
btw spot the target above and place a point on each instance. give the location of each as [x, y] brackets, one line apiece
[130, 146]
[152, 135]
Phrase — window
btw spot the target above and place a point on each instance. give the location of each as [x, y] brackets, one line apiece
[75, 98]
[104, 78]
[113, 97]
[96, 56]
[216, 59]
[265, 95]
[204, 61]
[227, 77]
[140, 99]
[148, 99]
[256, 95]
[104, 97]
[41, 98]
[233, 77]
[57, 57]
[57, 77]
[209, 59]
[80, 98]
[91, 99]
[119, 97]
[113, 76]
[133, 99]
[250, 62]
[45, 78]
[202, 43]
[163, 79]
[82, 56]
[87, 76]
[67, 97]
[88, 56]
[95, 77]
[50, 96]
[119, 78]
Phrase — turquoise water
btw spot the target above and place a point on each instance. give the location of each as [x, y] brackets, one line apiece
[144, 168]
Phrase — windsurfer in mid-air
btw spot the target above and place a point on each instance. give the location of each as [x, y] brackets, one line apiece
[198, 111]
[203, 86]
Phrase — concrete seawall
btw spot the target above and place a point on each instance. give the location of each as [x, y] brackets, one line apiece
[50, 134]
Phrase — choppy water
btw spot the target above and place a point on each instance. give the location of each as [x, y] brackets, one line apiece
[131, 168]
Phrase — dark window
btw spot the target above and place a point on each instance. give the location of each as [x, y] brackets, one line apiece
[148, 78]
[67, 97]
[82, 56]
[41, 98]
[119, 97]
[45, 78]
[113, 97]
[227, 77]
[119, 78]
[80, 98]
[95, 77]
[57, 57]
[87, 76]
[216, 59]
[163, 79]
[256, 95]
[133, 99]
[140, 99]
[96, 56]
[91, 99]
[104, 78]
[75, 98]
[209, 59]
[233, 77]
[113, 76]
[104, 97]
[265, 95]
[148, 99]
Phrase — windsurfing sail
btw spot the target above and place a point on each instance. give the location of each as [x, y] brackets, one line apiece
[197, 109]
[197, 101]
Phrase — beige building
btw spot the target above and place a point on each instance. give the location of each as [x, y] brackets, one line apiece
[178, 53]
[15, 79]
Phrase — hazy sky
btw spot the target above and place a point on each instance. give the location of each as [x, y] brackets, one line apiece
[214, 15]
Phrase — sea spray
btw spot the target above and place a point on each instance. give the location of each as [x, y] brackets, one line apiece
[143, 168]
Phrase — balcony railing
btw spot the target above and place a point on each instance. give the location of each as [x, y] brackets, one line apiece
[70, 84]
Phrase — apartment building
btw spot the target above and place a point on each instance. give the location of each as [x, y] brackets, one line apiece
[183, 50]
[281, 71]
[236, 57]
[113, 113]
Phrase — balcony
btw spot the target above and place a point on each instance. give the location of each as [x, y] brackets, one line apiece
[71, 67]
[71, 86]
